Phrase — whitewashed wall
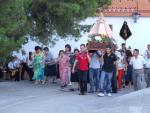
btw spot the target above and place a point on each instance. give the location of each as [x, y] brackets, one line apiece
[139, 39]
[140, 31]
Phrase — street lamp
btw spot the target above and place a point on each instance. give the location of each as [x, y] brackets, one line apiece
[135, 16]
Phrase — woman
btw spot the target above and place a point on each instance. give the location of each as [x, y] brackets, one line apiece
[30, 65]
[38, 66]
[63, 68]
[74, 76]
[69, 54]
[129, 68]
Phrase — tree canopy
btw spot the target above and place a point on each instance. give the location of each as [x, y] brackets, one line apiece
[13, 26]
[59, 17]
[13, 19]
[42, 19]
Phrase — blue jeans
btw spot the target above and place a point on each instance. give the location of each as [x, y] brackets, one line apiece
[94, 73]
[105, 82]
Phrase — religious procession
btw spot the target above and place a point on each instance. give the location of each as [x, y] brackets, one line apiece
[98, 67]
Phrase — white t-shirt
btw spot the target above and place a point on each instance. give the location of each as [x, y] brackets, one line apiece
[16, 63]
[11, 65]
[137, 63]
[145, 53]
[117, 53]
[30, 63]
[24, 58]
[120, 62]
[147, 62]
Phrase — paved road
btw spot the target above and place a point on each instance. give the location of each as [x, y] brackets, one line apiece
[25, 97]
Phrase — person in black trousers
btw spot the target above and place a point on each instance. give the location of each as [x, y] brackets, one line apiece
[83, 60]
[24, 64]
[114, 80]
[114, 77]
[16, 64]
[1, 73]
[30, 66]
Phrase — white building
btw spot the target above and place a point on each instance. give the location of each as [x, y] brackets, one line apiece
[129, 10]
[116, 14]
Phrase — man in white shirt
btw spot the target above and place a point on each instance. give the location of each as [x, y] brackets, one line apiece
[24, 60]
[30, 66]
[16, 64]
[123, 47]
[148, 50]
[14, 67]
[147, 69]
[10, 65]
[138, 62]
[94, 71]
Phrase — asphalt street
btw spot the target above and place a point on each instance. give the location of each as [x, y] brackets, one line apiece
[25, 97]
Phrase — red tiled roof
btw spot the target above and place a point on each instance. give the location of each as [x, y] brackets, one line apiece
[127, 7]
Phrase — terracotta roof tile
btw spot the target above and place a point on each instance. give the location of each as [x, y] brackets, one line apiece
[127, 7]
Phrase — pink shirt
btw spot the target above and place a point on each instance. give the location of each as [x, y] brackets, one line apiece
[64, 62]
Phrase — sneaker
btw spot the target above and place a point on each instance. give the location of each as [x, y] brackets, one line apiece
[54, 82]
[71, 89]
[65, 85]
[101, 94]
[109, 95]
[36, 82]
[43, 82]
[81, 93]
[85, 93]
[70, 84]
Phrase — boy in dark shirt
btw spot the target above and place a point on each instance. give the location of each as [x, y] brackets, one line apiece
[109, 60]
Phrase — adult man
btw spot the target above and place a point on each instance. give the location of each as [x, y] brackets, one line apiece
[82, 59]
[14, 67]
[30, 66]
[138, 62]
[114, 84]
[148, 50]
[109, 60]
[123, 47]
[11, 68]
[94, 71]
[24, 60]
[50, 68]
[147, 69]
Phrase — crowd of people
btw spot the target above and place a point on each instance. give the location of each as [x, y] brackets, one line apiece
[107, 70]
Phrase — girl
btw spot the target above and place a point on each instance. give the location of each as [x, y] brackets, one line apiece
[120, 67]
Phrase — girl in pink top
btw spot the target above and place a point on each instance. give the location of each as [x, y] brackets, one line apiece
[63, 68]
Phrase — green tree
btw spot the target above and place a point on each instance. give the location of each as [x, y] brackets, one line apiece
[42, 19]
[104, 3]
[13, 26]
[61, 17]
